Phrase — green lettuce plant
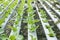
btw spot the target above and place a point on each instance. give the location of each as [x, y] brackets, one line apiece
[32, 38]
[51, 34]
[33, 28]
[3, 36]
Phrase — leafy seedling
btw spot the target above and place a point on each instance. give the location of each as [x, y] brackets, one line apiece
[13, 28]
[20, 37]
[51, 34]
[47, 26]
[44, 20]
[33, 28]
[1, 30]
[32, 38]
[12, 37]
[58, 21]
[3, 36]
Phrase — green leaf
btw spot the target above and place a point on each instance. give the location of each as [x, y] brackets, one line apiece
[33, 28]
[16, 22]
[3, 36]
[47, 26]
[12, 37]
[36, 20]
[20, 37]
[14, 29]
[1, 30]
[51, 34]
[32, 38]
[44, 20]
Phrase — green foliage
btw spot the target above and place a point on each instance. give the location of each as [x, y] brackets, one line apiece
[8, 11]
[32, 38]
[1, 1]
[32, 21]
[45, 20]
[1, 30]
[16, 22]
[51, 34]
[12, 37]
[30, 8]
[43, 13]
[0, 8]
[5, 3]
[33, 28]
[13, 28]
[3, 36]
[58, 21]
[20, 37]
[47, 26]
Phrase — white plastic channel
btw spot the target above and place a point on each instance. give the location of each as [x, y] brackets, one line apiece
[51, 2]
[31, 33]
[58, 6]
[2, 13]
[52, 17]
[7, 7]
[44, 27]
[57, 11]
[18, 26]
[9, 17]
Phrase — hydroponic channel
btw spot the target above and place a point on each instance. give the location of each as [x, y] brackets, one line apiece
[29, 19]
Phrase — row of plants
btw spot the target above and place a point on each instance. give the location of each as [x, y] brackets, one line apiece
[1, 1]
[57, 11]
[5, 9]
[15, 30]
[5, 3]
[52, 14]
[14, 34]
[53, 17]
[46, 26]
[8, 12]
[56, 25]
[51, 33]
[3, 32]
[31, 22]
[9, 3]
[55, 5]
[6, 31]
[53, 2]
[17, 24]
[1, 8]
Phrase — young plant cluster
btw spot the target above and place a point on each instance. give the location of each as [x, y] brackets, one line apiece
[44, 16]
[7, 13]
